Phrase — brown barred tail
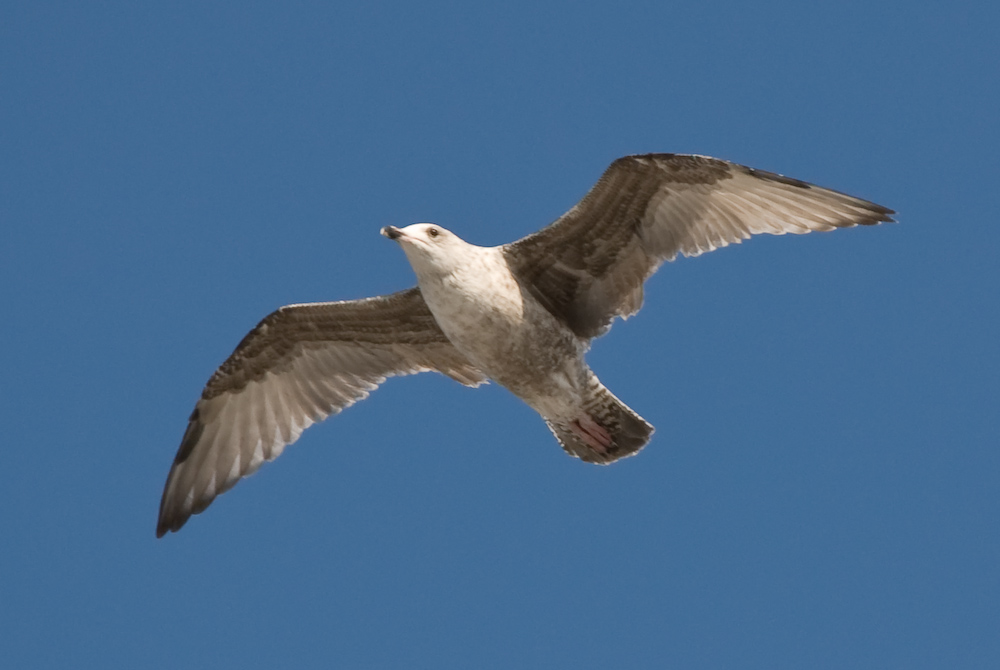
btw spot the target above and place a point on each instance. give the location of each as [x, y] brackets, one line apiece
[606, 430]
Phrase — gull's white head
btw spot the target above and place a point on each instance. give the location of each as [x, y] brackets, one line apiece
[431, 249]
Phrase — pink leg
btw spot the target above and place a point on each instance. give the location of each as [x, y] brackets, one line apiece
[592, 433]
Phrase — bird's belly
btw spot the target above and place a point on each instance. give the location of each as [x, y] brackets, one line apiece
[525, 350]
[507, 334]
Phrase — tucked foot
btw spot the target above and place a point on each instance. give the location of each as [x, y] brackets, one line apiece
[604, 430]
[593, 434]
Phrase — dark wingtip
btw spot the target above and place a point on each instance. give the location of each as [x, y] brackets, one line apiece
[172, 522]
[878, 214]
[167, 524]
[163, 526]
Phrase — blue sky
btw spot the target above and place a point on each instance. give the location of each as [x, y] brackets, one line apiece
[821, 490]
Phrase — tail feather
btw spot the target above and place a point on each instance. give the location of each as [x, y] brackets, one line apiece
[628, 432]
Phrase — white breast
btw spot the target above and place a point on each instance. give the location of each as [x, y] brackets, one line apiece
[478, 305]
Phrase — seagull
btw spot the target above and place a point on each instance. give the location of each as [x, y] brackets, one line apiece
[521, 314]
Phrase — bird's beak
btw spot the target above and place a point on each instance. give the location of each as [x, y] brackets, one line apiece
[392, 232]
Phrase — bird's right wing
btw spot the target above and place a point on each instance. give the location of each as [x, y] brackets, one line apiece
[301, 364]
[589, 266]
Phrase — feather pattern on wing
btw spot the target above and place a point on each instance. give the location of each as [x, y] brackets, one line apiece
[589, 266]
[301, 364]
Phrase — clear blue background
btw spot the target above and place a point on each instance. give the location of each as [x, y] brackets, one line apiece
[822, 489]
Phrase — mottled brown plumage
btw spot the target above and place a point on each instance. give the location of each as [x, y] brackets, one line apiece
[589, 266]
[298, 366]
[522, 314]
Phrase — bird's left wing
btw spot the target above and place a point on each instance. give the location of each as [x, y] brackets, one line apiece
[589, 266]
[301, 364]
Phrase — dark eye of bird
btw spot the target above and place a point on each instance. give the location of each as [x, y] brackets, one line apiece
[433, 232]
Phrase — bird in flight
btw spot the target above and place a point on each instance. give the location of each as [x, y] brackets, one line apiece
[522, 314]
